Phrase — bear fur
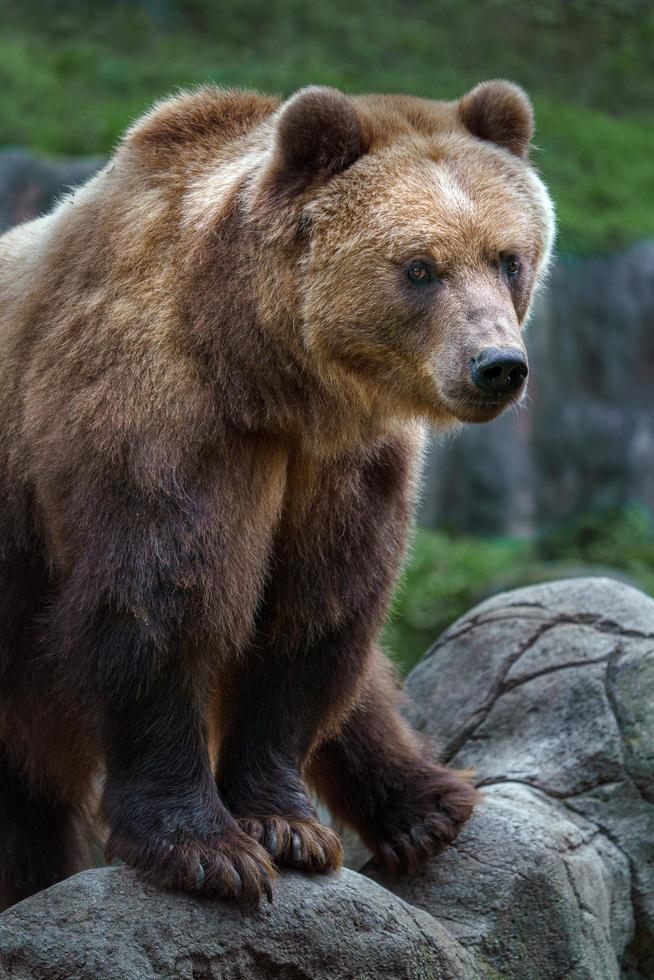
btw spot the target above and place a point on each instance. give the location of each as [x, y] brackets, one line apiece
[216, 360]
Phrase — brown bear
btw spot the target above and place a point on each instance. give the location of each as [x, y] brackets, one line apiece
[216, 359]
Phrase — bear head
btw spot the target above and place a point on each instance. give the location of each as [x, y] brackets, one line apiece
[426, 231]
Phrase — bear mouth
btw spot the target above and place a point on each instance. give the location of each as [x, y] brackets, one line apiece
[477, 409]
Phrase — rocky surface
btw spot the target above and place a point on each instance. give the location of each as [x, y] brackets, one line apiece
[549, 693]
[106, 925]
[554, 876]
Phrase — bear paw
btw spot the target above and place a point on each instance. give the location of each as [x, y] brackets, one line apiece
[296, 842]
[226, 865]
[424, 815]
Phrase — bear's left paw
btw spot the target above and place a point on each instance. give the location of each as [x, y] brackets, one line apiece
[426, 813]
[296, 842]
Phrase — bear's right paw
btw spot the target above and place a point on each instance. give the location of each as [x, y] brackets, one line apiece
[226, 865]
[425, 811]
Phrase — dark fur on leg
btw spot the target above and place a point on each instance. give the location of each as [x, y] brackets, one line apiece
[315, 633]
[43, 837]
[271, 720]
[378, 778]
[161, 802]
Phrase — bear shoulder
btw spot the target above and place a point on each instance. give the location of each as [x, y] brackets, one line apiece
[207, 115]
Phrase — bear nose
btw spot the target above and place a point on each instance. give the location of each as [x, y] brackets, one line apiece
[499, 372]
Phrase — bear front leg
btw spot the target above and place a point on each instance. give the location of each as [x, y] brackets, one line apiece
[272, 714]
[379, 778]
[161, 804]
[160, 559]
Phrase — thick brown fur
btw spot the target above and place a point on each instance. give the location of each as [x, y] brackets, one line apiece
[214, 366]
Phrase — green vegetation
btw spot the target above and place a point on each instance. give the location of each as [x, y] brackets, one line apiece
[619, 537]
[447, 574]
[73, 75]
[444, 577]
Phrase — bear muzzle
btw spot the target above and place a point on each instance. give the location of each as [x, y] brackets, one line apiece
[499, 372]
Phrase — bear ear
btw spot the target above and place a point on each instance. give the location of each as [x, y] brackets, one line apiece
[500, 112]
[319, 134]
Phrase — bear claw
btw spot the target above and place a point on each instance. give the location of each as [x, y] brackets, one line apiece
[230, 865]
[296, 842]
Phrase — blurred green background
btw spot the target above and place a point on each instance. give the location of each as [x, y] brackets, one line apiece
[74, 74]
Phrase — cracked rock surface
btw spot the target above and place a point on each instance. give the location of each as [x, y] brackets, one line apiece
[106, 925]
[548, 692]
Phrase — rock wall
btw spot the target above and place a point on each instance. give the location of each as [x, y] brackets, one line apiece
[548, 692]
[585, 437]
[554, 877]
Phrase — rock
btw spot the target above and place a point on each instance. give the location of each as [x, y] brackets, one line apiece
[548, 692]
[106, 925]
[30, 185]
[533, 890]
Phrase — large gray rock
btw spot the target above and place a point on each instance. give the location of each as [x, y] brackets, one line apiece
[548, 693]
[535, 892]
[106, 925]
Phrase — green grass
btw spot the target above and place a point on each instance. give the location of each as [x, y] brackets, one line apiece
[601, 173]
[446, 575]
[72, 76]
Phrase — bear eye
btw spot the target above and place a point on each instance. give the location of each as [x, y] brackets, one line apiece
[420, 272]
[511, 266]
